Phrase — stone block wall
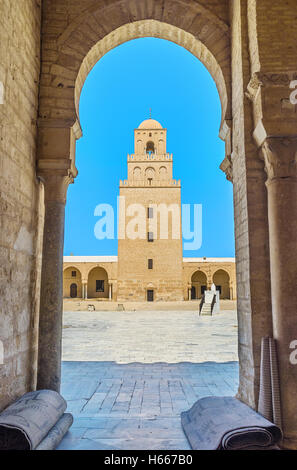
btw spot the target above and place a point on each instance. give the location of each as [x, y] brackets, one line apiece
[133, 290]
[20, 195]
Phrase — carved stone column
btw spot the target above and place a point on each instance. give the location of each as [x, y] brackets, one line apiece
[51, 295]
[84, 290]
[280, 156]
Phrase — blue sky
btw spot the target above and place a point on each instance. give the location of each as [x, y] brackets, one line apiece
[117, 95]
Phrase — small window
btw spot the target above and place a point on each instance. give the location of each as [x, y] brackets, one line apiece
[99, 286]
[150, 147]
[73, 274]
[150, 264]
[150, 237]
[150, 212]
[150, 295]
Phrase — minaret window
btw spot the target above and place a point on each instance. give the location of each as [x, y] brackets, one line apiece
[150, 237]
[150, 212]
[150, 264]
[150, 147]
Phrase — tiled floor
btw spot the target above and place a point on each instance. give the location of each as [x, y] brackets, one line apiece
[137, 405]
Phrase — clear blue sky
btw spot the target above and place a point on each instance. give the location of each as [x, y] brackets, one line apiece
[116, 98]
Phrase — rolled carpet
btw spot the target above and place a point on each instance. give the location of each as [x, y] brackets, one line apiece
[25, 423]
[265, 391]
[275, 388]
[56, 434]
[225, 423]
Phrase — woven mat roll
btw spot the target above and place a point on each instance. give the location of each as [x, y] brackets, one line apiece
[56, 434]
[25, 423]
[265, 393]
[275, 388]
[226, 423]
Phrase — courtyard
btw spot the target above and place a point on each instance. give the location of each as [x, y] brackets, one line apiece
[127, 375]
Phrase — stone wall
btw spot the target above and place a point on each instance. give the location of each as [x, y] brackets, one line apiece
[20, 195]
[134, 289]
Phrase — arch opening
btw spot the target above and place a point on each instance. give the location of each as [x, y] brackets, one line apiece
[98, 284]
[221, 279]
[162, 30]
[72, 277]
[198, 285]
[150, 147]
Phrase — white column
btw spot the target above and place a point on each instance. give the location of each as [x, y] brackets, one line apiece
[110, 291]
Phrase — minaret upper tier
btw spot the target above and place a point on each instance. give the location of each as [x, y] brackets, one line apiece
[150, 137]
[150, 165]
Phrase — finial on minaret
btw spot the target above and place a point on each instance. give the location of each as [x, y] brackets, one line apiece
[150, 113]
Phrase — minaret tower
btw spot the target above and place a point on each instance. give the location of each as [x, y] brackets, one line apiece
[150, 264]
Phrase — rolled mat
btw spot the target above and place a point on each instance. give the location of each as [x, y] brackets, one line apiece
[225, 423]
[265, 392]
[25, 423]
[275, 388]
[56, 434]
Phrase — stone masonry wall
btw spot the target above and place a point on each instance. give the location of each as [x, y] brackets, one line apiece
[20, 195]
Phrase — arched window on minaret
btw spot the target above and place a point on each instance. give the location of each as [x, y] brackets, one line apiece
[149, 174]
[150, 147]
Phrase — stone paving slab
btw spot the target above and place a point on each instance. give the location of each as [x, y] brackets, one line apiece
[150, 337]
[146, 415]
[137, 404]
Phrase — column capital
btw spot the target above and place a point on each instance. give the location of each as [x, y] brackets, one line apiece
[56, 175]
[280, 156]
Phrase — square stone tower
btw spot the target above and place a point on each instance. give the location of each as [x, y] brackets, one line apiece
[150, 239]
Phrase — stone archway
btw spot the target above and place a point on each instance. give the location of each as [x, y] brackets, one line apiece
[98, 287]
[59, 126]
[69, 54]
[199, 284]
[221, 279]
[257, 63]
[72, 275]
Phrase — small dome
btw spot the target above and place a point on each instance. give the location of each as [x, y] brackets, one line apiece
[150, 124]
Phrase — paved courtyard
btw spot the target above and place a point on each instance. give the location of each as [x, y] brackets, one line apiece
[128, 375]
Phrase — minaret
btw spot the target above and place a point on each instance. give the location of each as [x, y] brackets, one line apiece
[150, 264]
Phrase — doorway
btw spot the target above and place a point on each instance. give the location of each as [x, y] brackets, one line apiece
[73, 291]
[150, 295]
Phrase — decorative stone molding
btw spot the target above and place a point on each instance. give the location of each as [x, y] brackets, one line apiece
[227, 167]
[253, 87]
[268, 80]
[273, 111]
[276, 79]
[56, 175]
[55, 186]
[280, 157]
